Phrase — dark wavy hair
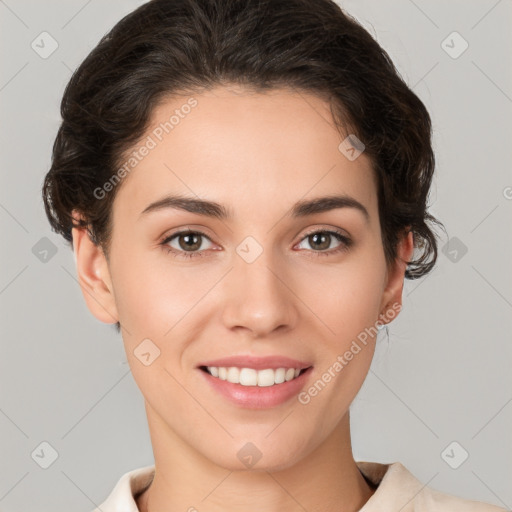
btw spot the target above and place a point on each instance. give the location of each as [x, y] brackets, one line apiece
[174, 46]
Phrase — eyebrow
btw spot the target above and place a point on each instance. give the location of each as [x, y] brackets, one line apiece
[215, 210]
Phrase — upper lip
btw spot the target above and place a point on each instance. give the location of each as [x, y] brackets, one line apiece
[257, 363]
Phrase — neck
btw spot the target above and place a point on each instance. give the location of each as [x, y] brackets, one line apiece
[326, 479]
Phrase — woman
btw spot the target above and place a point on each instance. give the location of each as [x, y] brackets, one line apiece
[243, 184]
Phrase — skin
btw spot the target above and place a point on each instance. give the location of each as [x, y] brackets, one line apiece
[257, 154]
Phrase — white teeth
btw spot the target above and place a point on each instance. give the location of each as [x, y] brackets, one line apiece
[290, 373]
[279, 375]
[252, 377]
[248, 377]
[266, 377]
[233, 374]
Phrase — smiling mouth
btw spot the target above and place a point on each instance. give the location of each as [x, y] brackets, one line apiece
[256, 378]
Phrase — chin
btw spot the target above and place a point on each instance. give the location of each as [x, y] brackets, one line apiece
[259, 453]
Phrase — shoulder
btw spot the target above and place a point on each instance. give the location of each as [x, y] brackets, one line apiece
[399, 489]
[435, 500]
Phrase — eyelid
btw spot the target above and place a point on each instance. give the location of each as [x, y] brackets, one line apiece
[339, 234]
[189, 228]
[334, 229]
[346, 240]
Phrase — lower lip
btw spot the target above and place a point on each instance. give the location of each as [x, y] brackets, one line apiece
[255, 397]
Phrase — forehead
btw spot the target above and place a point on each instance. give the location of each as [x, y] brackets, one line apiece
[248, 150]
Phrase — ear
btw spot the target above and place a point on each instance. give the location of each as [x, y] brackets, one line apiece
[93, 275]
[392, 295]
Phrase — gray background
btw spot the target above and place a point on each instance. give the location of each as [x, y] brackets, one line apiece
[442, 376]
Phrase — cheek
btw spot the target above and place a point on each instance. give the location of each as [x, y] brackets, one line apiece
[155, 299]
[153, 293]
[346, 298]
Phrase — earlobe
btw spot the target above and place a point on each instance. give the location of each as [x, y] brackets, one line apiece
[94, 276]
[392, 296]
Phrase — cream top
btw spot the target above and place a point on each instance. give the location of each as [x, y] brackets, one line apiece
[398, 490]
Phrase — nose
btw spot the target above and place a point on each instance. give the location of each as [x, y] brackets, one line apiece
[258, 296]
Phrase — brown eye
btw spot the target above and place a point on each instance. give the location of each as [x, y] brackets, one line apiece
[320, 241]
[189, 244]
[189, 241]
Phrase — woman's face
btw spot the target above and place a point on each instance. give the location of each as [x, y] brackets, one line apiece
[257, 282]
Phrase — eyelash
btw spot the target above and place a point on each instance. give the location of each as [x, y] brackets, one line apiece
[346, 243]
